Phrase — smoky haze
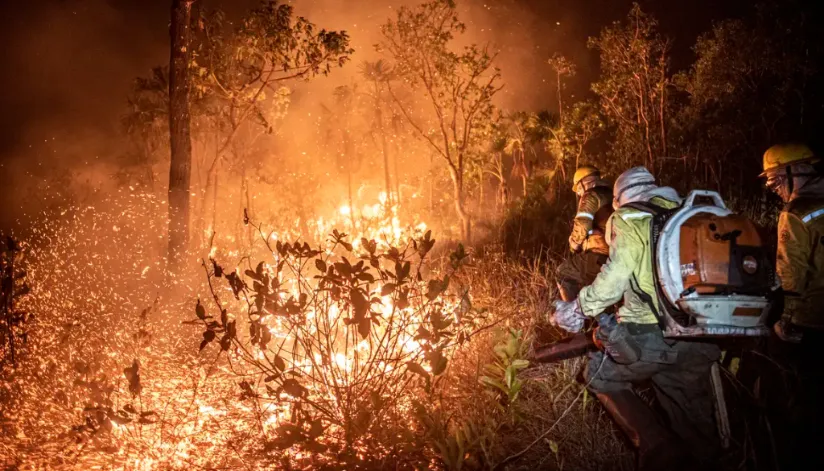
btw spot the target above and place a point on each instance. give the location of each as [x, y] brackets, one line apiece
[70, 64]
[67, 69]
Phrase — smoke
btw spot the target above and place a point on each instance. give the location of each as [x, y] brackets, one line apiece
[70, 64]
[521, 32]
[73, 64]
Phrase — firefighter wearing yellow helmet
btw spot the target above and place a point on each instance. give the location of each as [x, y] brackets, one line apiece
[635, 348]
[587, 239]
[790, 172]
[594, 208]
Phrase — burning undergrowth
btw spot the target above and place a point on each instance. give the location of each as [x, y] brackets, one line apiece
[306, 354]
[333, 350]
[361, 351]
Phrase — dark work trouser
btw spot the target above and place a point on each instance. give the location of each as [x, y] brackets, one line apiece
[680, 374]
[578, 271]
[799, 430]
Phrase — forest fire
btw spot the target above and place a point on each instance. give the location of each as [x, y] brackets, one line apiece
[323, 348]
[376, 221]
[218, 234]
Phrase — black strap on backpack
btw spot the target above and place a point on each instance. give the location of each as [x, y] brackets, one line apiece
[658, 214]
[647, 207]
[647, 299]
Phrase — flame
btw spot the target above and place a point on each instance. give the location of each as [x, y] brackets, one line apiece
[195, 394]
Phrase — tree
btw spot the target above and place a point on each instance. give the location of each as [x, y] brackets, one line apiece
[147, 121]
[550, 138]
[519, 142]
[583, 124]
[562, 67]
[495, 166]
[340, 135]
[238, 72]
[457, 88]
[633, 88]
[379, 74]
[180, 168]
[750, 87]
[245, 66]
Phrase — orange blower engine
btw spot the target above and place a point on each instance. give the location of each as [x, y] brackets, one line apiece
[713, 272]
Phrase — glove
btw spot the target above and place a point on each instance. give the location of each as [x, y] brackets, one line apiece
[786, 331]
[575, 247]
[568, 316]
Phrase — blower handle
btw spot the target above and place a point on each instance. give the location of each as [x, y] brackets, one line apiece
[689, 201]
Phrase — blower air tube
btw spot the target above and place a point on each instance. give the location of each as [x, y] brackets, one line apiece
[575, 346]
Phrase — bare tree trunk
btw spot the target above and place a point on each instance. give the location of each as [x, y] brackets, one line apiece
[431, 183]
[481, 195]
[395, 154]
[520, 161]
[348, 157]
[379, 119]
[662, 106]
[396, 151]
[386, 169]
[246, 209]
[180, 169]
[205, 191]
[351, 204]
[642, 116]
[211, 175]
[560, 106]
[501, 197]
[460, 206]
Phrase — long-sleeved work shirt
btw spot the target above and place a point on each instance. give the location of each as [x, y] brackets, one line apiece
[589, 225]
[800, 256]
[629, 269]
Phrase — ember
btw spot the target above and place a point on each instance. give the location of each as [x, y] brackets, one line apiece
[219, 222]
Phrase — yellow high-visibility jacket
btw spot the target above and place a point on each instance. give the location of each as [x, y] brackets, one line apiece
[800, 257]
[629, 269]
[589, 225]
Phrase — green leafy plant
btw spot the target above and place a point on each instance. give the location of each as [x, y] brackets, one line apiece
[333, 340]
[502, 374]
[458, 445]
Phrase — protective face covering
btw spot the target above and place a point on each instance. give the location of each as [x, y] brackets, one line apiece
[638, 184]
[777, 183]
[585, 185]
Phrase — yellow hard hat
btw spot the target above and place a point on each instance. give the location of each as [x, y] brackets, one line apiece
[782, 155]
[583, 172]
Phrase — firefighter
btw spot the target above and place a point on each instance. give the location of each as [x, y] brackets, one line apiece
[790, 172]
[587, 241]
[635, 349]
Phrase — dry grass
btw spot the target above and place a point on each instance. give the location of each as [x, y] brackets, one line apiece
[200, 420]
[581, 436]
